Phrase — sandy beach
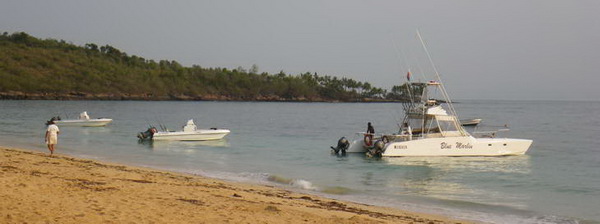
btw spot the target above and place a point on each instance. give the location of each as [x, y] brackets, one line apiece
[38, 188]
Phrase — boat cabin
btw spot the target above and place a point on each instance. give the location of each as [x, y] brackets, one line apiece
[432, 122]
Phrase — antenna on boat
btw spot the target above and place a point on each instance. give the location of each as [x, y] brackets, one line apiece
[409, 105]
[160, 124]
[441, 84]
[148, 122]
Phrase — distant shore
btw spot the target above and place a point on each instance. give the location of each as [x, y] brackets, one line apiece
[15, 95]
[39, 188]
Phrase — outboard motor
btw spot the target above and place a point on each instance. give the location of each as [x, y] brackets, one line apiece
[342, 145]
[146, 135]
[377, 149]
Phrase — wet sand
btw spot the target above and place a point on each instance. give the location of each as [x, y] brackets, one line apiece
[38, 188]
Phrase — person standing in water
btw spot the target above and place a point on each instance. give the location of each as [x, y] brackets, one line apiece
[52, 136]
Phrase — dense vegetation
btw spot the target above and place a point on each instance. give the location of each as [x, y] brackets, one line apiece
[33, 68]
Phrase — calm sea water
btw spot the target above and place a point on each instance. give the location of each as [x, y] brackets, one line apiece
[287, 145]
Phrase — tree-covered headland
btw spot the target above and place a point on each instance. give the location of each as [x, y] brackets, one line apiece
[33, 68]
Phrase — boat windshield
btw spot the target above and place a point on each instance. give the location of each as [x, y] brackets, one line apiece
[447, 125]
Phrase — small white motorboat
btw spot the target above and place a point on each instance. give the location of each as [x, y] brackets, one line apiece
[83, 121]
[470, 122]
[189, 133]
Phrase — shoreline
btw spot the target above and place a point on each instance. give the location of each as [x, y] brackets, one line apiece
[76, 96]
[65, 189]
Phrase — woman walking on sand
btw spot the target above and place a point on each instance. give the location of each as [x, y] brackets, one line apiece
[52, 136]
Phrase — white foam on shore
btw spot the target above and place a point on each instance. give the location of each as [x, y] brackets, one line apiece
[303, 184]
[414, 205]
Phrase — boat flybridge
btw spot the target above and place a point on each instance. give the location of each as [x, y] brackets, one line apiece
[431, 128]
[84, 121]
[189, 133]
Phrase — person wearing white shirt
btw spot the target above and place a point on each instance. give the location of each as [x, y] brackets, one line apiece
[52, 136]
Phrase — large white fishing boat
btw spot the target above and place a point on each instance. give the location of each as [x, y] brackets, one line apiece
[431, 128]
[189, 133]
[83, 121]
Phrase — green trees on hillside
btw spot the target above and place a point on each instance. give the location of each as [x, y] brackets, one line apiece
[405, 92]
[32, 65]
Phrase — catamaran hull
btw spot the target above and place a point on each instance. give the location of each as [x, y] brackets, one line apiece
[201, 135]
[458, 146]
[84, 123]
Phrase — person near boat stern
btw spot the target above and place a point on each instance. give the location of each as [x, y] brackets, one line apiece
[406, 130]
[52, 136]
[370, 131]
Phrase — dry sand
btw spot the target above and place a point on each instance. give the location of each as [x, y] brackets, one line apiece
[37, 188]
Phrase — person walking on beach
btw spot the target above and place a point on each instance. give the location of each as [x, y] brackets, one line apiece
[52, 136]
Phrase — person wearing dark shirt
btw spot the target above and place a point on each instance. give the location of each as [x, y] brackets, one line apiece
[370, 129]
[370, 133]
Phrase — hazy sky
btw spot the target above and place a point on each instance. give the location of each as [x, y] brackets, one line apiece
[524, 49]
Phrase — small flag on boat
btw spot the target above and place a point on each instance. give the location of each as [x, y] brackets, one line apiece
[408, 76]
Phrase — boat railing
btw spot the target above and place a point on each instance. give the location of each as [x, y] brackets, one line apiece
[484, 134]
[394, 137]
[488, 134]
[398, 137]
[491, 132]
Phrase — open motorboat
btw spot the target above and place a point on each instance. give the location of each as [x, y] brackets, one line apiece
[84, 121]
[189, 133]
[429, 129]
[470, 122]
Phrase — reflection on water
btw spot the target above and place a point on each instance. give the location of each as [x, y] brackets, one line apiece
[480, 180]
[87, 131]
[507, 164]
[183, 145]
[444, 177]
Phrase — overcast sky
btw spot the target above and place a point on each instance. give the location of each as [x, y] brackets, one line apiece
[522, 49]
